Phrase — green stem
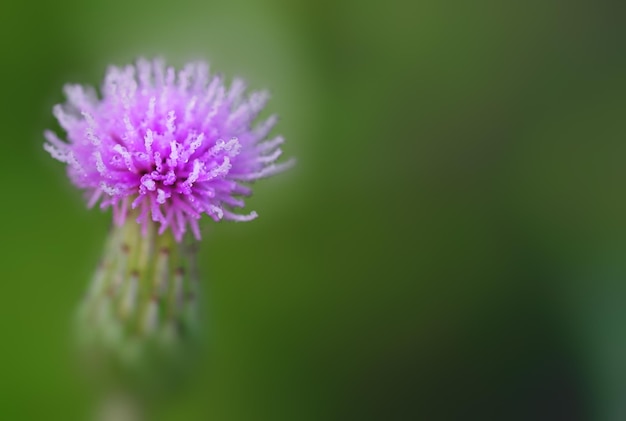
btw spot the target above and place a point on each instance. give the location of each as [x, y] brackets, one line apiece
[120, 407]
[140, 313]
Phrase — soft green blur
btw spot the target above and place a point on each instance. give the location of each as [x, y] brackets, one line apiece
[450, 245]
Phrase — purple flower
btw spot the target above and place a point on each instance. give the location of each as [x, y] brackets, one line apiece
[172, 145]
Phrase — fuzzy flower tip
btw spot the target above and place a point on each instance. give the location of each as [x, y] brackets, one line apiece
[171, 144]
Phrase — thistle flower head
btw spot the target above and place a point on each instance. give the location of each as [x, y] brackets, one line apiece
[171, 144]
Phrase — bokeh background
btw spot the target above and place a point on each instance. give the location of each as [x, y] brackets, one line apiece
[451, 245]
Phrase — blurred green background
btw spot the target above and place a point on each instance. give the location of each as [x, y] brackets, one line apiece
[450, 246]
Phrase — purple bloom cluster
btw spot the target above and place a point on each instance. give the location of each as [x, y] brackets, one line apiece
[173, 145]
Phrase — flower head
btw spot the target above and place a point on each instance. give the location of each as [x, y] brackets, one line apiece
[172, 144]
